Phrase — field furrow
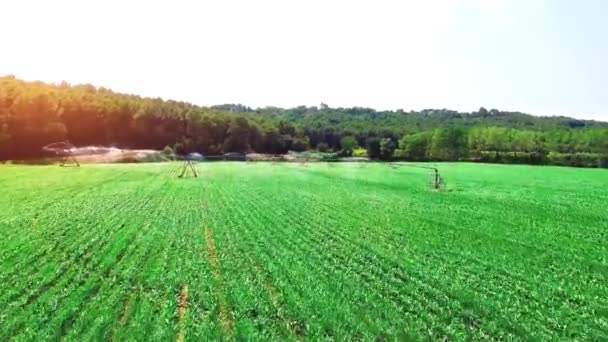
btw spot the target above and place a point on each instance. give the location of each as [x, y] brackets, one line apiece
[309, 251]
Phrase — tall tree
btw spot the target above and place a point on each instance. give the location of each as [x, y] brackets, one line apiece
[387, 148]
[373, 147]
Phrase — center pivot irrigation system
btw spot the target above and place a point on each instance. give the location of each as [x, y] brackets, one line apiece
[188, 165]
[436, 181]
[65, 150]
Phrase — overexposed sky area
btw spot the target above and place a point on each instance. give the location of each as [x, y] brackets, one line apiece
[544, 57]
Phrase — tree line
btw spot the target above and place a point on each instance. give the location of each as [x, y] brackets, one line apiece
[33, 114]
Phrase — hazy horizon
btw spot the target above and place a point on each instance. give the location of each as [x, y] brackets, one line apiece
[544, 58]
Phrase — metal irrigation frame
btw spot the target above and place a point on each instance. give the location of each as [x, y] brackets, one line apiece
[437, 180]
[64, 150]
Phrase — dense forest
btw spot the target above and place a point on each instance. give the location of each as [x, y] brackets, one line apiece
[33, 114]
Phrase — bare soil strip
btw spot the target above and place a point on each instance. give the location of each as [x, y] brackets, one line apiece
[126, 311]
[225, 313]
[182, 308]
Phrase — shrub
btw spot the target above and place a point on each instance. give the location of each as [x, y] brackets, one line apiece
[578, 159]
[322, 147]
[359, 152]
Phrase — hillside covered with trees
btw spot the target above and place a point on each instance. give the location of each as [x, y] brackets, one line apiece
[33, 114]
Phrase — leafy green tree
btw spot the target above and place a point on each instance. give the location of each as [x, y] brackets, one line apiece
[300, 144]
[483, 112]
[414, 146]
[387, 148]
[33, 114]
[322, 147]
[497, 139]
[238, 136]
[448, 144]
[273, 142]
[524, 141]
[373, 147]
[348, 144]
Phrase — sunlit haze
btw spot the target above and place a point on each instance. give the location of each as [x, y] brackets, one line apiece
[540, 57]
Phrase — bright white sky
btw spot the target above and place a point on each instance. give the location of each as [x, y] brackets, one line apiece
[545, 57]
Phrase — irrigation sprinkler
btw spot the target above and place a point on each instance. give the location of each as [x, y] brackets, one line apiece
[188, 166]
[437, 181]
[64, 150]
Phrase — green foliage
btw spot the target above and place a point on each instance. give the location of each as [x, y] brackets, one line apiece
[348, 144]
[578, 159]
[322, 147]
[238, 136]
[387, 148]
[373, 147]
[34, 114]
[359, 152]
[300, 144]
[288, 252]
[315, 156]
[448, 144]
[414, 146]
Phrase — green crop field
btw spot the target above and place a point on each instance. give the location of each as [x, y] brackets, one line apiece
[302, 252]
